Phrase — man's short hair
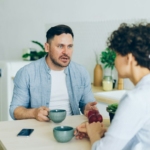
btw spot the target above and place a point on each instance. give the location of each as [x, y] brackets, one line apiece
[133, 39]
[57, 30]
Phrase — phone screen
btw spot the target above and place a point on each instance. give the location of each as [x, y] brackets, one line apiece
[25, 132]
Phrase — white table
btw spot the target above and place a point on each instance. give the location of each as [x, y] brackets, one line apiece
[42, 137]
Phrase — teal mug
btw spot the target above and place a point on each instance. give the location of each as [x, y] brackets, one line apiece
[63, 134]
[57, 115]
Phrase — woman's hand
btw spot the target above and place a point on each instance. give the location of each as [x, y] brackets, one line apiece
[80, 131]
[95, 131]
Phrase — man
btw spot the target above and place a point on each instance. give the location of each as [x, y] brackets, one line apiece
[53, 82]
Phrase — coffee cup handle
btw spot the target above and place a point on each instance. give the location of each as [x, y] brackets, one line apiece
[76, 132]
[48, 117]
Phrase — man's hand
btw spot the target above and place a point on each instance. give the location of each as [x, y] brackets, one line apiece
[90, 106]
[41, 113]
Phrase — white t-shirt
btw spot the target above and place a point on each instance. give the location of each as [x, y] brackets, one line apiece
[130, 128]
[59, 98]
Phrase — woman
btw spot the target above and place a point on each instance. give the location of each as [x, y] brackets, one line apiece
[130, 128]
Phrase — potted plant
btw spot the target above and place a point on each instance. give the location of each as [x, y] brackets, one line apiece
[107, 58]
[34, 55]
[111, 109]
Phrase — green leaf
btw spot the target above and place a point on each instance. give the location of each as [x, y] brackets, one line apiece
[112, 107]
[25, 55]
[39, 44]
[107, 58]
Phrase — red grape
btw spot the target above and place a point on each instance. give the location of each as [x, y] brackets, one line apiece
[92, 112]
[99, 118]
[93, 119]
[94, 116]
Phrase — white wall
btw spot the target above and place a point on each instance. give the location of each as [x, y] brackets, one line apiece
[24, 20]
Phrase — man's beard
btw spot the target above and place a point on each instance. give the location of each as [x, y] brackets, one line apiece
[59, 64]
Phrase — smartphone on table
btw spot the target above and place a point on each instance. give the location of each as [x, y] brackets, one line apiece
[25, 132]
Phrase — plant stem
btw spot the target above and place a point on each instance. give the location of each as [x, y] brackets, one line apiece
[111, 72]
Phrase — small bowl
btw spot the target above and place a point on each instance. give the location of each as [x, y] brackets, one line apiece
[63, 134]
[57, 115]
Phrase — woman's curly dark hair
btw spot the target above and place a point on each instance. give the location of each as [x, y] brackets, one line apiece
[133, 39]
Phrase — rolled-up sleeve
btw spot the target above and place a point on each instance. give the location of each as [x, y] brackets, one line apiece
[20, 92]
[87, 95]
